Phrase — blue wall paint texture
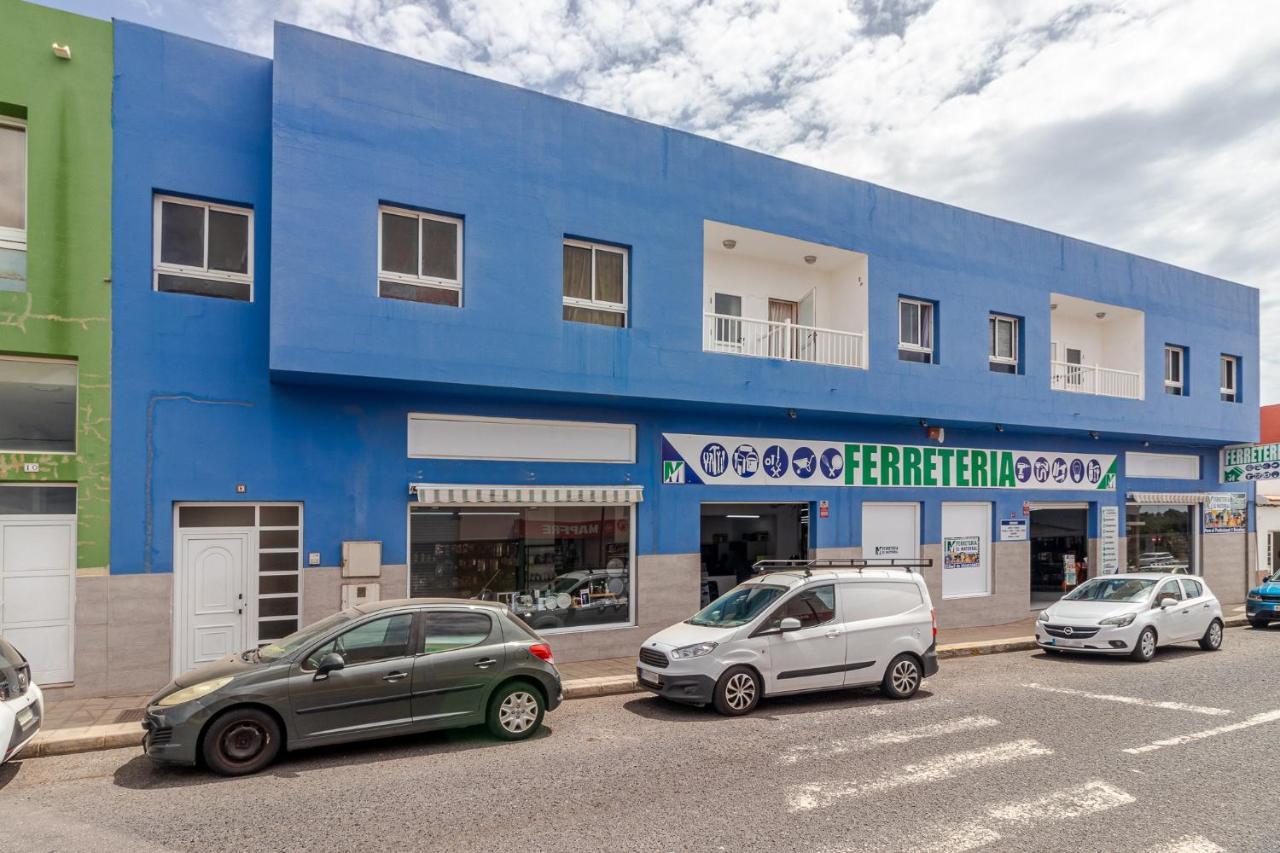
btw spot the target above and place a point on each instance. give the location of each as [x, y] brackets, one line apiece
[303, 394]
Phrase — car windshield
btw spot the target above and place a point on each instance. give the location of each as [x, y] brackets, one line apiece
[1112, 589]
[738, 606]
[565, 584]
[286, 646]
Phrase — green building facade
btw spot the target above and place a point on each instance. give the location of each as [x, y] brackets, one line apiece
[55, 267]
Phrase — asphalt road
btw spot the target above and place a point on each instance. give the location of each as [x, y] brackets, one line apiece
[999, 753]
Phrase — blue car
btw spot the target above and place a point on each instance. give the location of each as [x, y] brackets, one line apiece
[1263, 605]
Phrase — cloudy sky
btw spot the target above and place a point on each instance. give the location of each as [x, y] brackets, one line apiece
[1148, 125]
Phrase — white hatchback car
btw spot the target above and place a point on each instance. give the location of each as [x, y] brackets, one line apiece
[21, 702]
[804, 627]
[1132, 614]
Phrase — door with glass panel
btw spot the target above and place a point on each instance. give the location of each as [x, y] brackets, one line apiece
[783, 316]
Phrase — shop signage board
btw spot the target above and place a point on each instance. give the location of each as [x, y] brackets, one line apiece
[717, 460]
[1226, 512]
[1109, 533]
[1246, 462]
[1013, 529]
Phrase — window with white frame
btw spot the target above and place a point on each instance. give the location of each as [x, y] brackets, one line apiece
[915, 330]
[1003, 353]
[1229, 379]
[1175, 365]
[203, 248]
[595, 283]
[419, 256]
[13, 184]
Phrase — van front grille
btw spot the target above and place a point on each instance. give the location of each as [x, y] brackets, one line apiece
[653, 657]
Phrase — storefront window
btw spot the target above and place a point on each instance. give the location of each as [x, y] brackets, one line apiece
[556, 566]
[1161, 538]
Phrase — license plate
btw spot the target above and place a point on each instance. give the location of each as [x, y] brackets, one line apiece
[650, 677]
[26, 717]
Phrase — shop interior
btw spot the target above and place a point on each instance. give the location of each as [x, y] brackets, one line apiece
[1161, 538]
[1059, 553]
[736, 536]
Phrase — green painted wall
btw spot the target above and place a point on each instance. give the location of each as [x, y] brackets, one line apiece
[65, 309]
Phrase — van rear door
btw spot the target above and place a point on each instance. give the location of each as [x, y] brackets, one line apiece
[882, 619]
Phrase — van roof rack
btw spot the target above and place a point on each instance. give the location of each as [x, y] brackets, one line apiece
[807, 567]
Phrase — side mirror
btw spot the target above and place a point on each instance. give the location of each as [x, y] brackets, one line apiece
[789, 624]
[329, 663]
[1167, 602]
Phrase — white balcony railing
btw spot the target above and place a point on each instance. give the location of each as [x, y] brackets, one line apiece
[1092, 379]
[788, 341]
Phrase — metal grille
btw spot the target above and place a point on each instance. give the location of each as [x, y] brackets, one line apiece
[653, 658]
[1070, 632]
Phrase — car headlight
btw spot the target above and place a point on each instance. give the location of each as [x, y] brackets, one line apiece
[1043, 617]
[195, 691]
[695, 651]
[1119, 621]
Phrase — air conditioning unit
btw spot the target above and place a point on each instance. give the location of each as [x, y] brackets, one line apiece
[359, 593]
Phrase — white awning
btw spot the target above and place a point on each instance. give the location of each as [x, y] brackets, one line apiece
[437, 494]
[1179, 498]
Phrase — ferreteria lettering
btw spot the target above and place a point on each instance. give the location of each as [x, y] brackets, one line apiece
[1252, 453]
[959, 467]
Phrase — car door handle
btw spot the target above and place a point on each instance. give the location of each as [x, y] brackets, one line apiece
[395, 676]
[833, 634]
[484, 663]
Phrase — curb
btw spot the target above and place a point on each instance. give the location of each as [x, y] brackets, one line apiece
[92, 739]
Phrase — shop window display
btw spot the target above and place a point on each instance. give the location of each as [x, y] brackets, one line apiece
[556, 567]
[1161, 538]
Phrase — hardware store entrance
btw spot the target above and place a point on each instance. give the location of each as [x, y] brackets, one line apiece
[735, 536]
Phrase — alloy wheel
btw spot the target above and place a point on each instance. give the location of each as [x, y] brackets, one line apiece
[905, 677]
[518, 712]
[1215, 635]
[740, 691]
[1148, 644]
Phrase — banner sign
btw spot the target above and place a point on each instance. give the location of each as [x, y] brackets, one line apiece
[1246, 462]
[728, 461]
[1013, 529]
[1226, 513]
[1109, 534]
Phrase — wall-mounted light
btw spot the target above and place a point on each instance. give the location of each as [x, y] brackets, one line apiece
[791, 413]
[999, 427]
[1101, 315]
[1146, 444]
[1053, 306]
[729, 244]
[810, 259]
[1093, 434]
[924, 423]
[62, 51]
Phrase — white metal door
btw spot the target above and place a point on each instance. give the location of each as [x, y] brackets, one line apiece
[37, 592]
[891, 531]
[211, 593]
[966, 549]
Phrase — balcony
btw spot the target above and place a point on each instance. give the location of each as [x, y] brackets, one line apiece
[784, 340]
[770, 296]
[1096, 348]
[1092, 379]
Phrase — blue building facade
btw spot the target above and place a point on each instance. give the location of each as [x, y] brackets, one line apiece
[384, 328]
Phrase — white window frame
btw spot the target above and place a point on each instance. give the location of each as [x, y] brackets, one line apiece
[599, 304]
[922, 307]
[76, 431]
[203, 271]
[1170, 351]
[1230, 393]
[421, 280]
[16, 238]
[996, 320]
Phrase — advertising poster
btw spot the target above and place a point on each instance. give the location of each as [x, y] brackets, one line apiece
[961, 552]
[1226, 513]
[716, 460]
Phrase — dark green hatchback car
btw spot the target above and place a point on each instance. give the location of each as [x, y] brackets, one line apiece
[377, 670]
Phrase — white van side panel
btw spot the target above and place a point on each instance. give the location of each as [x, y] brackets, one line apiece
[883, 618]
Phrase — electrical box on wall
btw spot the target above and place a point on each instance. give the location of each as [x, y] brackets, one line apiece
[361, 559]
[359, 593]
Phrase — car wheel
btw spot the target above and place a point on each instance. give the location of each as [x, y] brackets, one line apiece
[516, 711]
[1260, 624]
[737, 692]
[241, 741]
[1212, 639]
[902, 678]
[1145, 649]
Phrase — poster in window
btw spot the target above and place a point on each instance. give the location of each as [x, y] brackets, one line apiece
[1225, 513]
[961, 552]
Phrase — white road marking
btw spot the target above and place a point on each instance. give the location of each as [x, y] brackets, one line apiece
[1131, 700]
[1068, 804]
[815, 796]
[840, 747]
[1255, 720]
[1187, 844]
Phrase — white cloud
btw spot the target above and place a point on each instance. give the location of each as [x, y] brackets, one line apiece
[1148, 125]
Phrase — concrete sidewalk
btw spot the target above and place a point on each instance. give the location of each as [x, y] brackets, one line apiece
[85, 725]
